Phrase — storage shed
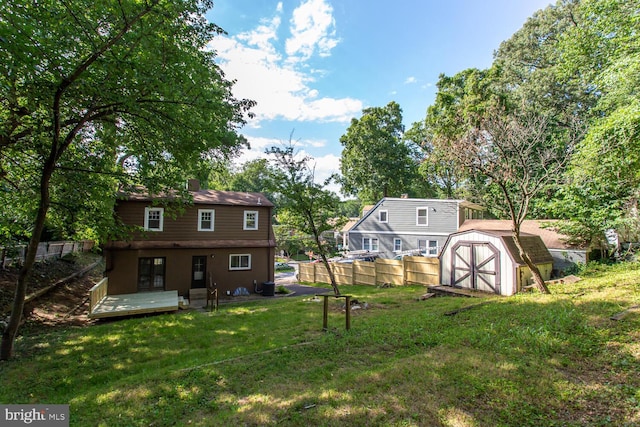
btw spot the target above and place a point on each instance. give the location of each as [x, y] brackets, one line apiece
[489, 261]
[565, 254]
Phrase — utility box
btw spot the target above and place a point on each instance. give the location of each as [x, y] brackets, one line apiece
[268, 289]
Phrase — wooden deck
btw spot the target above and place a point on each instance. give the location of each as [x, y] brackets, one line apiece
[130, 304]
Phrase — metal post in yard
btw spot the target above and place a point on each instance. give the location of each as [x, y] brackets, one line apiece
[348, 312]
[325, 317]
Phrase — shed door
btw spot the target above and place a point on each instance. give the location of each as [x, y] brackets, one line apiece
[476, 265]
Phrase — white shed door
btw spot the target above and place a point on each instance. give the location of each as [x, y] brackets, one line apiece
[476, 265]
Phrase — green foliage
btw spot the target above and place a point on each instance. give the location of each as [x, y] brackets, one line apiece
[252, 176]
[526, 66]
[375, 161]
[601, 54]
[576, 64]
[350, 208]
[289, 239]
[442, 178]
[603, 183]
[306, 207]
[111, 93]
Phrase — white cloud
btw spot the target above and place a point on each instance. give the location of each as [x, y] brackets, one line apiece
[280, 81]
[410, 80]
[312, 30]
[324, 166]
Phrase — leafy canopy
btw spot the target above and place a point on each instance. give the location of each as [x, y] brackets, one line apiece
[109, 92]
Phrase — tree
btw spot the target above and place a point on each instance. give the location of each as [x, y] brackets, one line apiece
[601, 55]
[122, 90]
[525, 67]
[375, 161]
[445, 180]
[254, 175]
[517, 155]
[306, 206]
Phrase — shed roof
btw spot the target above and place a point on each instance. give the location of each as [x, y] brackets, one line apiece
[543, 228]
[532, 244]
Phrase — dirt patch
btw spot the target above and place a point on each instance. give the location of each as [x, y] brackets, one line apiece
[65, 305]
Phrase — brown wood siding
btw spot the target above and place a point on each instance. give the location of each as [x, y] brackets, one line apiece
[122, 269]
[228, 223]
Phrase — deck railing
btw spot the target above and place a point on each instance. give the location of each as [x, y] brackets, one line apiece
[97, 293]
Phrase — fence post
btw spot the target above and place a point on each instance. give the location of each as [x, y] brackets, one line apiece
[325, 315]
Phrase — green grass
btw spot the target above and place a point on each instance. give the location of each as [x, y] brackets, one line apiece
[528, 360]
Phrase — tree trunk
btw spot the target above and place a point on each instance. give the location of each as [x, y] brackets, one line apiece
[535, 271]
[325, 262]
[10, 332]
[332, 276]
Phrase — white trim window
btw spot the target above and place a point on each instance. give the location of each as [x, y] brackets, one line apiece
[206, 219]
[422, 216]
[153, 219]
[397, 244]
[240, 262]
[383, 216]
[369, 244]
[428, 247]
[250, 220]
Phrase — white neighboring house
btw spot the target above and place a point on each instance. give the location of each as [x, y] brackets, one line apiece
[395, 226]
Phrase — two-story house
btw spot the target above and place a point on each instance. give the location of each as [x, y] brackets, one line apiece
[403, 225]
[223, 238]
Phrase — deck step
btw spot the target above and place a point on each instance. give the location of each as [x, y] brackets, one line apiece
[183, 303]
[198, 293]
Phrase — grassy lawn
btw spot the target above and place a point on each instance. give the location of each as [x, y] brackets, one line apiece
[528, 360]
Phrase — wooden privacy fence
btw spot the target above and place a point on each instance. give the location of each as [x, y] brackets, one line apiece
[408, 271]
[46, 250]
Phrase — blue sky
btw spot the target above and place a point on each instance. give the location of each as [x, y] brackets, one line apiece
[312, 65]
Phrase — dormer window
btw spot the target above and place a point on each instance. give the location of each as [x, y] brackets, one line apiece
[422, 216]
[206, 219]
[153, 219]
[383, 216]
[250, 220]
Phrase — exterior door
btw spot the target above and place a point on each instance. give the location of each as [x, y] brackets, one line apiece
[199, 272]
[476, 265]
[151, 274]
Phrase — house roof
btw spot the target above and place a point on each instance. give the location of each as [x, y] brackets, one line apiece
[190, 244]
[461, 202]
[210, 197]
[349, 224]
[532, 244]
[368, 210]
[543, 228]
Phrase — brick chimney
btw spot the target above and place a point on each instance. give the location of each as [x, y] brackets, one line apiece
[193, 185]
